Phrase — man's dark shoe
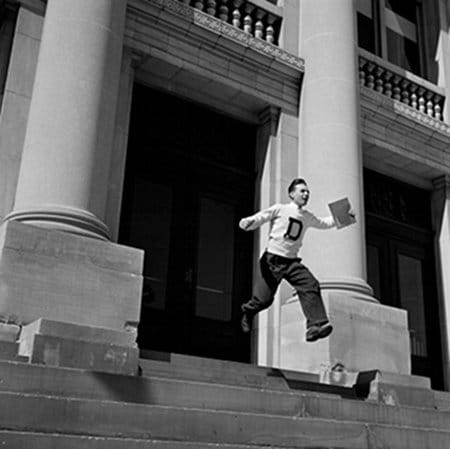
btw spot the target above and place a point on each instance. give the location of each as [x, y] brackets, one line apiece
[318, 331]
[246, 322]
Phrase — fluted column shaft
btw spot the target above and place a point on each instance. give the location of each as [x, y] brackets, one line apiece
[64, 170]
[330, 156]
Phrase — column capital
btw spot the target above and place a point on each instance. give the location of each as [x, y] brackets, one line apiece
[270, 117]
[442, 183]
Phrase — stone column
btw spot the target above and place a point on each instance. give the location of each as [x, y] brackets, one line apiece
[441, 222]
[330, 160]
[75, 295]
[65, 164]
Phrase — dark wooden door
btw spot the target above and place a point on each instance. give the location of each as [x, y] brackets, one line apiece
[185, 192]
[401, 268]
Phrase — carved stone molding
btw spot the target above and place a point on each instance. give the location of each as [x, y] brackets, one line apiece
[203, 19]
[404, 131]
[406, 110]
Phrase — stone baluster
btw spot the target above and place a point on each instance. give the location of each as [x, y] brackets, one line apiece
[270, 30]
[370, 79]
[199, 4]
[421, 100]
[413, 97]
[437, 107]
[379, 79]
[396, 90]
[429, 104]
[236, 13]
[248, 20]
[437, 111]
[387, 84]
[259, 25]
[211, 7]
[362, 73]
[405, 91]
[223, 10]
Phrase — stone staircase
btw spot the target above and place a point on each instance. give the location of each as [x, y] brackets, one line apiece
[183, 402]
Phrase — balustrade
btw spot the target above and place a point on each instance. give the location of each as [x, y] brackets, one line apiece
[253, 17]
[383, 77]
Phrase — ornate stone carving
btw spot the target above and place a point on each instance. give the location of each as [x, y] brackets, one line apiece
[229, 30]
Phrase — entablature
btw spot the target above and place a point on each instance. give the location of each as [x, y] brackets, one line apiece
[403, 139]
[177, 46]
[403, 127]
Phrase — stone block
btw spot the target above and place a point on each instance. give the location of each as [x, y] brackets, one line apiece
[396, 389]
[74, 332]
[366, 336]
[64, 352]
[56, 343]
[68, 278]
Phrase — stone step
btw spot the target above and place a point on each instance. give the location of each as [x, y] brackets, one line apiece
[29, 440]
[46, 414]
[241, 374]
[154, 390]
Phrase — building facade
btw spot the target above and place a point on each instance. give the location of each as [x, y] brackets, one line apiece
[135, 134]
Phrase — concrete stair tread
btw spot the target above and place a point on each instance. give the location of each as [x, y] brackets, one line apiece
[21, 440]
[43, 414]
[233, 373]
[40, 380]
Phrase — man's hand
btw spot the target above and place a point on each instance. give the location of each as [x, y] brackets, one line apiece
[245, 223]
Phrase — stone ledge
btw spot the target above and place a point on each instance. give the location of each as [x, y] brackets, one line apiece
[71, 331]
[396, 389]
[54, 343]
[63, 277]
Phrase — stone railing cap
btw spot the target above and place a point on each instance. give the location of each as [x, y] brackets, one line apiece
[402, 72]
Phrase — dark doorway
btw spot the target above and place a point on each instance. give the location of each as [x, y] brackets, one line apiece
[189, 179]
[400, 264]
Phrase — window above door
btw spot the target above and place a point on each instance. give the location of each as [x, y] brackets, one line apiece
[390, 29]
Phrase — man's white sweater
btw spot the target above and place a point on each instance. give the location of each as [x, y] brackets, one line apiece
[288, 224]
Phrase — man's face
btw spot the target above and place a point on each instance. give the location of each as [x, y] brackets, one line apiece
[300, 194]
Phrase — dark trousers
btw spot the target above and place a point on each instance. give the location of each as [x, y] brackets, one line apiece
[273, 269]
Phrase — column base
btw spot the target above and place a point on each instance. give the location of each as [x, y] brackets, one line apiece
[366, 336]
[65, 277]
[73, 220]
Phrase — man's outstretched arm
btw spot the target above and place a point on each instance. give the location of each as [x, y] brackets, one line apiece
[255, 221]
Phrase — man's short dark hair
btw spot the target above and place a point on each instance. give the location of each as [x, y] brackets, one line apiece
[295, 182]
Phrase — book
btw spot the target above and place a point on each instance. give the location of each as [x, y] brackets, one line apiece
[340, 210]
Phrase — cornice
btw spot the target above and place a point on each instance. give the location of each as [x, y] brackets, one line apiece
[403, 110]
[405, 130]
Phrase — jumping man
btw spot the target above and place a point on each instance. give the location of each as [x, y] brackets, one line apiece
[288, 224]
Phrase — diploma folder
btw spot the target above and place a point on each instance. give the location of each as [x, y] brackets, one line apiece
[340, 210]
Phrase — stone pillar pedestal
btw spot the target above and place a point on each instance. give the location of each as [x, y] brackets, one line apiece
[65, 163]
[72, 277]
[367, 335]
[69, 278]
